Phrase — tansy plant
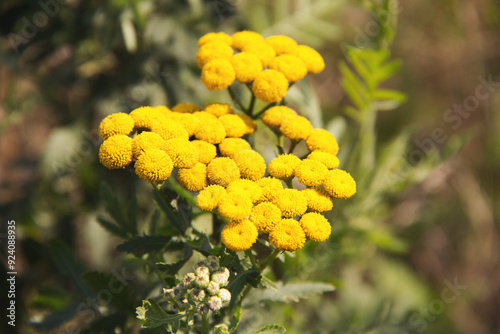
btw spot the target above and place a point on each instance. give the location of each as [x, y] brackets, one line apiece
[201, 159]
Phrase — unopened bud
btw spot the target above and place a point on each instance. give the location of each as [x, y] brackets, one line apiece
[214, 303]
[213, 288]
[225, 295]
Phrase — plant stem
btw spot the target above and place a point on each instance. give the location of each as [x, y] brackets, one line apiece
[269, 259]
[181, 191]
[292, 146]
[289, 184]
[281, 141]
[249, 112]
[263, 110]
[367, 142]
[205, 323]
[234, 98]
[249, 253]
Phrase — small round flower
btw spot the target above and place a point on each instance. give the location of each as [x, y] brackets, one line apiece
[271, 187]
[313, 60]
[214, 303]
[317, 199]
[218, 109]
[251, 164]
[223, 171]
[146, 140]
[163, 110]
[339, 184]
[291, 202]
[179, 291]
[322, 140]
[270, 86]
[202, 271]
[246, 187]
[282, 44]
[154, 165]
[188, 280]
[239, 236]
[210, 130]
[189, 121]
[262, 50]
[201, 282]
[213, 50]
[204, 116]
[225, 295]
[310, 172]
[186, 107]
[193, 179]
[329, 160]
[296, 128]
[230, 146]
[234, 125]
[282, 167]
[209, 198]
[206, 151]
[168, 294]
[116, 152]
[235, 206]
[182, 152]
[291, 66]
[169, 129]
[242, 38]
[218, 74]
[116, 124]
[287, 235]
[246, 66]
[198, 295]
[315, 226]
[215, 36]
[274, 116]
[250, 124]
[221, 277]
[213, 288]
[212, 263]
[265, 216]
[145, 118]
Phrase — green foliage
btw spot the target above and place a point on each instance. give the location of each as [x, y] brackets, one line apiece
[270, 329]
[154, 316]
[290, 292]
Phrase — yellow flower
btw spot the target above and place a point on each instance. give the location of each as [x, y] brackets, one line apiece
[147, 140]
[235, 206]
[204, 116]
[116, 124]
[310, 172]
[315, 226]
[213, 50]
[193, 179]
[116, 152]
[217, 74]
[209, 198]
[271, 187]
[206, 151]
[322, 140]
[282, 44]
[318, 200]
[270, 86]
[251, 164]
[222, 171]
[218, 109]
[291, 203]
[230, 146]
[145, 118]
[262, 50]
[313, 60]
[296, 128]
[246, 66]
[239, 236]
[329, 160]
[242, 38]
[210, 130]
[182, 152]
[215, 36]
[154, 165]
[265, 216]
[169, 129]
[282, 166]
[339, 184]
[247, 187]
[162, 110]
[189, 121]
[291, 66]
[274, 116]
[287, 235]
[237, 125]
[186, 107]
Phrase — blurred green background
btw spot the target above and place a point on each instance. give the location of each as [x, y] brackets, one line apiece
[424, 259]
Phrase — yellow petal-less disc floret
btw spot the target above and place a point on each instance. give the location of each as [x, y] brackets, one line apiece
[222, 171]
[315, 226]
[329, 160]
[282, 44]
[310, 172]
[251, 164]
[247, 187]
[153, 166]
[218, 109]
[116, 124]
[204, 116]
[169, 129]
[116, 152]
[218, 74]
[271, 187]
[164, 110]
[215, 36]
[265, 216]
[242, 38]
[239, 236]
[246, 66]
[213, 50]
[291, 66]
[230, 146]
[234, 125]
[322, 140]
[313, 60]
[147, 140]
[193, 179]
[210, 130]
[296, 128]
[145, 118]
[262, 50]
[235, 206]
[283, 166]
[182, 152]
[186, 107]
[206, 151]
[270, 86]
[275, 116]
[209, 198]
[287, 235]
[189, 121]
[291, 203]
[318, 200]
[339, 184]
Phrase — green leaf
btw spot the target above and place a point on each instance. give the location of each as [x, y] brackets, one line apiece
[112, 227]
[237, 285]
[144, 244]
[171, 213]
[174, 267]
[391, 95]
[268, 284]
[112, 205]
[354, 88]
[132, 216]
[271, 329]
[289, 292]
[121, 296]
[153, 315]
[185, 210]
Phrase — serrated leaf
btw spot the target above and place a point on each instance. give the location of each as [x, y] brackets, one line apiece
[271, 329]
[132, 216]
[112, 227]
[153, 315]
[289, 292]
[173, 268]
[353, 87]
[387, 94]
[171, 213]
[388, 70]
[231, 261]
[268, 284]
[144, 244]
[112, 205]
[237, 285]
[121, 297]
[185, 210]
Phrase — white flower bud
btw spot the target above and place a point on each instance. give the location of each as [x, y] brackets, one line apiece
[202, 271]
[197, 295]
[213, 288]
[168, 294]
[225, 295]
[202, 281]
[214, 303]
[188, 280]
[212, 263]
[221, 276]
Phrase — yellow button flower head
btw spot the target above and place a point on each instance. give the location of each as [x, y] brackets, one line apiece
[169, 129]
[193, 179]
[287, 235]
[270, 86]
[235, 206]
[296, 128]
[163, 110]
[291, 66]
[182, 152]
[222, 171]
[147, 140]
[251, 164]
[271, 187]
[204, 116]
[215, 36]
[153, 166]
[242, 38]
[145, 118]
[210, 130]
[282, 44]
[230, 146]
[310, 172]
[213, 50]
[116, 124]
[218, 109]
[274, 116]
[189, 121]
[265, 216]
[250, 124]
[291, 203]
[247, 188]
[262, 50]
[239, 236]
[246, 66]
[313, 60]
[237, 125]
[186, 107]
[315, 226]
[218, 74]
[282, 166]
[206, 151]
[329, 160]
[116, 152]
[318, 200]
[339, 184]
[322, 140]
[209, 198]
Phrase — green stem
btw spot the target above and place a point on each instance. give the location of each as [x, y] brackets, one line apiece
[234, 98]
[249, 111]
[250, 255]
[205, 323]
[289, 183]
[281, 142]
[269, 259]
[263, 110]
[292, 146]
[181, 191]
